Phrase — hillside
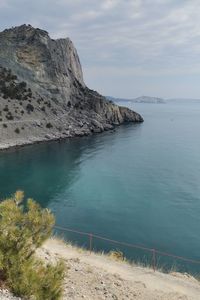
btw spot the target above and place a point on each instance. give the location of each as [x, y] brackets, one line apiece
[42, 92]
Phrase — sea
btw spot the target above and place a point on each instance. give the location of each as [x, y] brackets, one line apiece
[138, 184]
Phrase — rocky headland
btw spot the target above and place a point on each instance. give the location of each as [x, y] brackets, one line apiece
[42, 92]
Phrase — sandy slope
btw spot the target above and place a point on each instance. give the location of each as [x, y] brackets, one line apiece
[95, 276]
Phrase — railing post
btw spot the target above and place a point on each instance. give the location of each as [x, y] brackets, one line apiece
[90, 241]
[154, 259]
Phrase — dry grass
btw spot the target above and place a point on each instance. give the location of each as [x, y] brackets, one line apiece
[118, 256]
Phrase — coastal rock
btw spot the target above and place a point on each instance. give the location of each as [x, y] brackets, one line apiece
[43, 94]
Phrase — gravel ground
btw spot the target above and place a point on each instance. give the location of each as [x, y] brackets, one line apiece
[99, 277]
[6, 295]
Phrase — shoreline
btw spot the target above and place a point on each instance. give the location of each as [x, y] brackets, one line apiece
[6, 147]
[14, 147]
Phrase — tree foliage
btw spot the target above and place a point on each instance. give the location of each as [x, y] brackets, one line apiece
[24, 228]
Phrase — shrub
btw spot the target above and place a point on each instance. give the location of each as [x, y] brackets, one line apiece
[29, 95]
[6, 108]
[23, 228]
[18, 97]
[49, 125]
[54, 111]
[17, 130]
[12, 89]
[29, 108]
[22, 85]
[76, 105]
[117, 255]
[34, 278]
[47, 103]
[9, 116]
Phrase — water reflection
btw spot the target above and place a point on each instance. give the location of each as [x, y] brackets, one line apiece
[42, 170]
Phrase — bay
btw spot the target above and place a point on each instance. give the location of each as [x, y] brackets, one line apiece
[138, 184]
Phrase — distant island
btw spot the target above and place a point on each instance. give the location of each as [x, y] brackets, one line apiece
[152, 100]
[142, 99]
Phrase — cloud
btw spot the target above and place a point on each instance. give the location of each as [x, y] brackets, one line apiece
[109, 4]
[129, 37]
[89, 15]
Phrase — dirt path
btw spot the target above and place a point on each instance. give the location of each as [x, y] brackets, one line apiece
[96, 276]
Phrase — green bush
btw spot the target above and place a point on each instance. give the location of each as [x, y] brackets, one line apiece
[23, 228]
[9, 116]
[17, 130]
[29, 108]
[49, 125]
[34, 278]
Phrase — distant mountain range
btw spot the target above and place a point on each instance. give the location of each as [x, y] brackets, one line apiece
[152, 100]
[142, 99]
[185, 100]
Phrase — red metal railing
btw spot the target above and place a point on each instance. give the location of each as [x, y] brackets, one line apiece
[154, 252]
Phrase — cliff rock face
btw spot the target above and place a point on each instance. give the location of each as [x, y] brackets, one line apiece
[42, 92]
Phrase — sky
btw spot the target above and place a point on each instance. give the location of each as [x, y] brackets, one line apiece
[127, 48]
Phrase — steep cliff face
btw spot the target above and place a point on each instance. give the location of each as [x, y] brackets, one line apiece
[51, 65]
[46, 76]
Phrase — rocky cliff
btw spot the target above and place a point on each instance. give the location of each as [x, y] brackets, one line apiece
[42, 92]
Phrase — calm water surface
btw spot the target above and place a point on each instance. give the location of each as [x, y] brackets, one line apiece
[139, 184]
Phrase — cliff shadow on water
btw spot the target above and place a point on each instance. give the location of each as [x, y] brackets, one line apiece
[40, 170]
[43, 170]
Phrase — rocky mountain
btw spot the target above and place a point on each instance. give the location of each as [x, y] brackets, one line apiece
[142, 99]
[42, 92]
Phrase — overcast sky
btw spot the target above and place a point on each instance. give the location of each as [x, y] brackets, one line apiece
[128, 48]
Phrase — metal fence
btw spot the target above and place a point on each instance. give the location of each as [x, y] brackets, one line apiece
[154, 253]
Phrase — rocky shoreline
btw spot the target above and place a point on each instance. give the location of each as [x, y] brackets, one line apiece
[12, 146]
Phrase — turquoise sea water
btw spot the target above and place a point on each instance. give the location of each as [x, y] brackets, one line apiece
[139, 184]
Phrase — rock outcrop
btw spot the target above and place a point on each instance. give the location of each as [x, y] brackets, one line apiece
[42, 92]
